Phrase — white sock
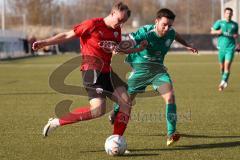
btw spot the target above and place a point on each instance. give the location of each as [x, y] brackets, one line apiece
[222, 83]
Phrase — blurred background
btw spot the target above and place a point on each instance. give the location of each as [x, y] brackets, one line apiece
[37, 19]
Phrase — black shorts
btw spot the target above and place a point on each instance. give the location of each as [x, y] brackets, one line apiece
[101, 85]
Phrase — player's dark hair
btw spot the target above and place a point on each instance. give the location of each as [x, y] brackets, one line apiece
[120, 6]
[164, 12]
[228, 9]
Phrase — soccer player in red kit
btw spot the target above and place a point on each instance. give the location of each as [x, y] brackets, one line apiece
[96, 71]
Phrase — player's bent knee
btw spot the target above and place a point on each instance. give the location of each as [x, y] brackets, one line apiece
[98, 111]
[98, 107]
[169, 98]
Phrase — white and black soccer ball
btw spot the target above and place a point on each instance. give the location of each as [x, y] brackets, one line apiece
[115, 145]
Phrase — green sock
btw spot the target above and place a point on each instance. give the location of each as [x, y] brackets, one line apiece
[225, 76]
[171, 118]
[115, 108]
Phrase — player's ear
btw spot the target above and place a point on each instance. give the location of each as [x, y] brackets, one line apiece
[156, 21]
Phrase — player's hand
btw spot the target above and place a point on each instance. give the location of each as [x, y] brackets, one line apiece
[193, 50]
[38, 45]
[117, 50]
[238, 48]
[123, 47]
[143, 44]
[218, 32]
[235, 36]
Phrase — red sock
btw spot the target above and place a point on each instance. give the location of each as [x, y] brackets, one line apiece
[120, 123]
[78, 114]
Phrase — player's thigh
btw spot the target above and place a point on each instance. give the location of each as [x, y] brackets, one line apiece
[167, 92]
[163, 84]
[120, 94]
[138, 81]
[121, 97]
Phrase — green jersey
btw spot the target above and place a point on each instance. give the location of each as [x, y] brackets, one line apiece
[157, 46]
[226, 40]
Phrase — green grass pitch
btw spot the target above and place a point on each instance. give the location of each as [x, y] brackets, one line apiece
[208, 119]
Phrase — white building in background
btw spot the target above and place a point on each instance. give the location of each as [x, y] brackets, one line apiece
[235, 5]
[12, 44]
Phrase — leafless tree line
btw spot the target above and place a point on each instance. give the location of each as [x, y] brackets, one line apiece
[193, 16]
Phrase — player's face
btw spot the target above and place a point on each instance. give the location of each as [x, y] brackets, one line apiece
[228, 15]
[118, 18]
[163, 25]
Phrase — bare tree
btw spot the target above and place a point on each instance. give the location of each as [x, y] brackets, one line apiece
[193, 16]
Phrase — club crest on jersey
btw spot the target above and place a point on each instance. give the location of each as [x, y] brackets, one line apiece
[116, 34]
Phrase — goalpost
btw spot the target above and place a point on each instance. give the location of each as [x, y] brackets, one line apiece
[235, 5]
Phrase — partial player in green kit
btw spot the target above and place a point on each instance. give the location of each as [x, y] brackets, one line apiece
[148, 67]
[227, 32]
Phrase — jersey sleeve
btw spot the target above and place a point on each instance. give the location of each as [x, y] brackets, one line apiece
[138, 36]
[217, 25]
[236, 29]
[84, 28]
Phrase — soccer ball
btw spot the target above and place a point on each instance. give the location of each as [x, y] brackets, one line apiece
[115, 145]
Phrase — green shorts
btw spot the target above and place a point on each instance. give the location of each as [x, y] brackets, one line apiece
[140, 79]
[225, 55]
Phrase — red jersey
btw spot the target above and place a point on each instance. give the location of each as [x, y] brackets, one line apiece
[91, 32]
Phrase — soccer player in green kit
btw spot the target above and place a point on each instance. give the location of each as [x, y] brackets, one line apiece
[148, 67]
[227, 32]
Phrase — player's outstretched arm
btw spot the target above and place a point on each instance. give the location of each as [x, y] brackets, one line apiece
[59, 38]
[180, 40]
[128, 50]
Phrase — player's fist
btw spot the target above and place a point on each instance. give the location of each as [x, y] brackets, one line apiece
[192, 49]
[38, 45]
[238, 48]
[218, 32]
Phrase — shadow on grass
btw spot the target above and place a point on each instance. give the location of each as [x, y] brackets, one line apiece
[125, 155]
[139, 154]
[207, 136]
[192, 136]
[196, 147]
[177, 148]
